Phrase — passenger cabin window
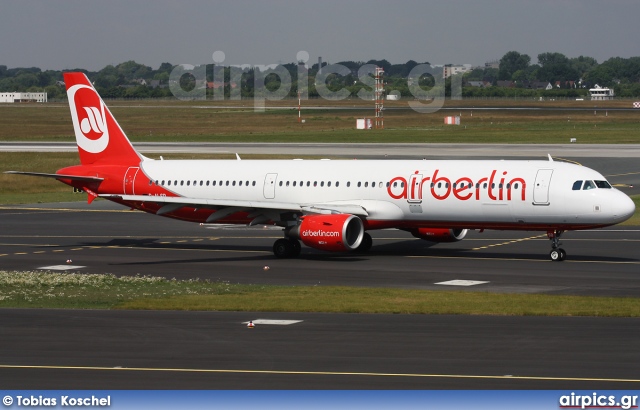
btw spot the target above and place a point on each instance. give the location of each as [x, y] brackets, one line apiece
[603, 184]
[588, 185]
[577, 185]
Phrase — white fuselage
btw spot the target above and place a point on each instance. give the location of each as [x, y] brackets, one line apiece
[471, 194]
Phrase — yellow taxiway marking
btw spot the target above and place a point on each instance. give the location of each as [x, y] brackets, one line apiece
[621, 175]
[319, 373]
[509, 242]
[567, 160]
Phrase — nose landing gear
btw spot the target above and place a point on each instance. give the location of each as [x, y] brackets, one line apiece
[557, 254]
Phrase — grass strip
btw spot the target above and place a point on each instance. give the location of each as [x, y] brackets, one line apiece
[156, 122]
[106, 291]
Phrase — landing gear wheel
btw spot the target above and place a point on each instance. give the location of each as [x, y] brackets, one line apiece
[558, 255]
[286, 248]
[296, 248]
[366, 243]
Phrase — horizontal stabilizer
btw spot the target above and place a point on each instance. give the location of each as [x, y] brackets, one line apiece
[57, 176]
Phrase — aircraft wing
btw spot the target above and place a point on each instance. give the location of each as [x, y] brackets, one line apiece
[175, 203]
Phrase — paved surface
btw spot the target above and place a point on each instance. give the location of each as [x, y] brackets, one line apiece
[62, 349]
[451, 151]
[105, 237]
[59, 349]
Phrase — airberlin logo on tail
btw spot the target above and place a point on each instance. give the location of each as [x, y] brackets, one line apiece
[94, 122]
[89, 119]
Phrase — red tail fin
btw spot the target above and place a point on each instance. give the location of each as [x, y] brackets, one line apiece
[99, 137]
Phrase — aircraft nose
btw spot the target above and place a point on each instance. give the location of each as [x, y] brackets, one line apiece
[623, 208]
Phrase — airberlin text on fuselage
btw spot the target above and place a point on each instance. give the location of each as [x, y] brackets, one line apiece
[330, 234]
[492, 187]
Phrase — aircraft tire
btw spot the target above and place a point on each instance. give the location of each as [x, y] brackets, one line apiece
[557, 255]
[366, 243]
[286, 248]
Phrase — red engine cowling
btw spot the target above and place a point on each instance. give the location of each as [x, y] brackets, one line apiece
[341, 232]
[439, 234]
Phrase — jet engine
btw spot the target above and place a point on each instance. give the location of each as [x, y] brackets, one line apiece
[439, 234]
[339, 232]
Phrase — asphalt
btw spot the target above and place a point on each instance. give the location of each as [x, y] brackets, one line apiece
[106, 238]
[362, 150]
[59, 349]
[68, 349]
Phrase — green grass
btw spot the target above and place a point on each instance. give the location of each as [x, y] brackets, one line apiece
[180, 121]
[88, 291]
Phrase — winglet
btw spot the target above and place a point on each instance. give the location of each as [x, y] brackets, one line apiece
[550, 159]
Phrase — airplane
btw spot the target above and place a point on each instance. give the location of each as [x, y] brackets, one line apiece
[330, 205]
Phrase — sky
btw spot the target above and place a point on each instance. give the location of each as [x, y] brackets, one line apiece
[91, 34]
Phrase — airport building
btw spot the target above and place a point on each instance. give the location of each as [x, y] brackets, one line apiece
[449, 70]
[22, 97]
[600, 93]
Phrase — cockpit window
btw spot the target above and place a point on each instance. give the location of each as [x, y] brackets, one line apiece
[603, 184]
[588, 185]
[577, 185]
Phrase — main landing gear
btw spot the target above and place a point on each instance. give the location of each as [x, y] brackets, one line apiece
[286, 248]
[557, 254]
[366, 243]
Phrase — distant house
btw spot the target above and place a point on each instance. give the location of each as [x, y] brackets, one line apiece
[492, 64]
[480, 84]
[565, 84]
[506, 83]
[214, 85]
[140, 81]
[540, 85]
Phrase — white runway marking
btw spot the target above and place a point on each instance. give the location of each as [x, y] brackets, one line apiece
[61, 267]
[460, 282]
[273, 322]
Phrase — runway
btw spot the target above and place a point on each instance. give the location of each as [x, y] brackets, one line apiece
[361, 151]
[59, 349]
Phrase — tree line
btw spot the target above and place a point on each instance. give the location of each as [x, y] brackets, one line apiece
[133, 80]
